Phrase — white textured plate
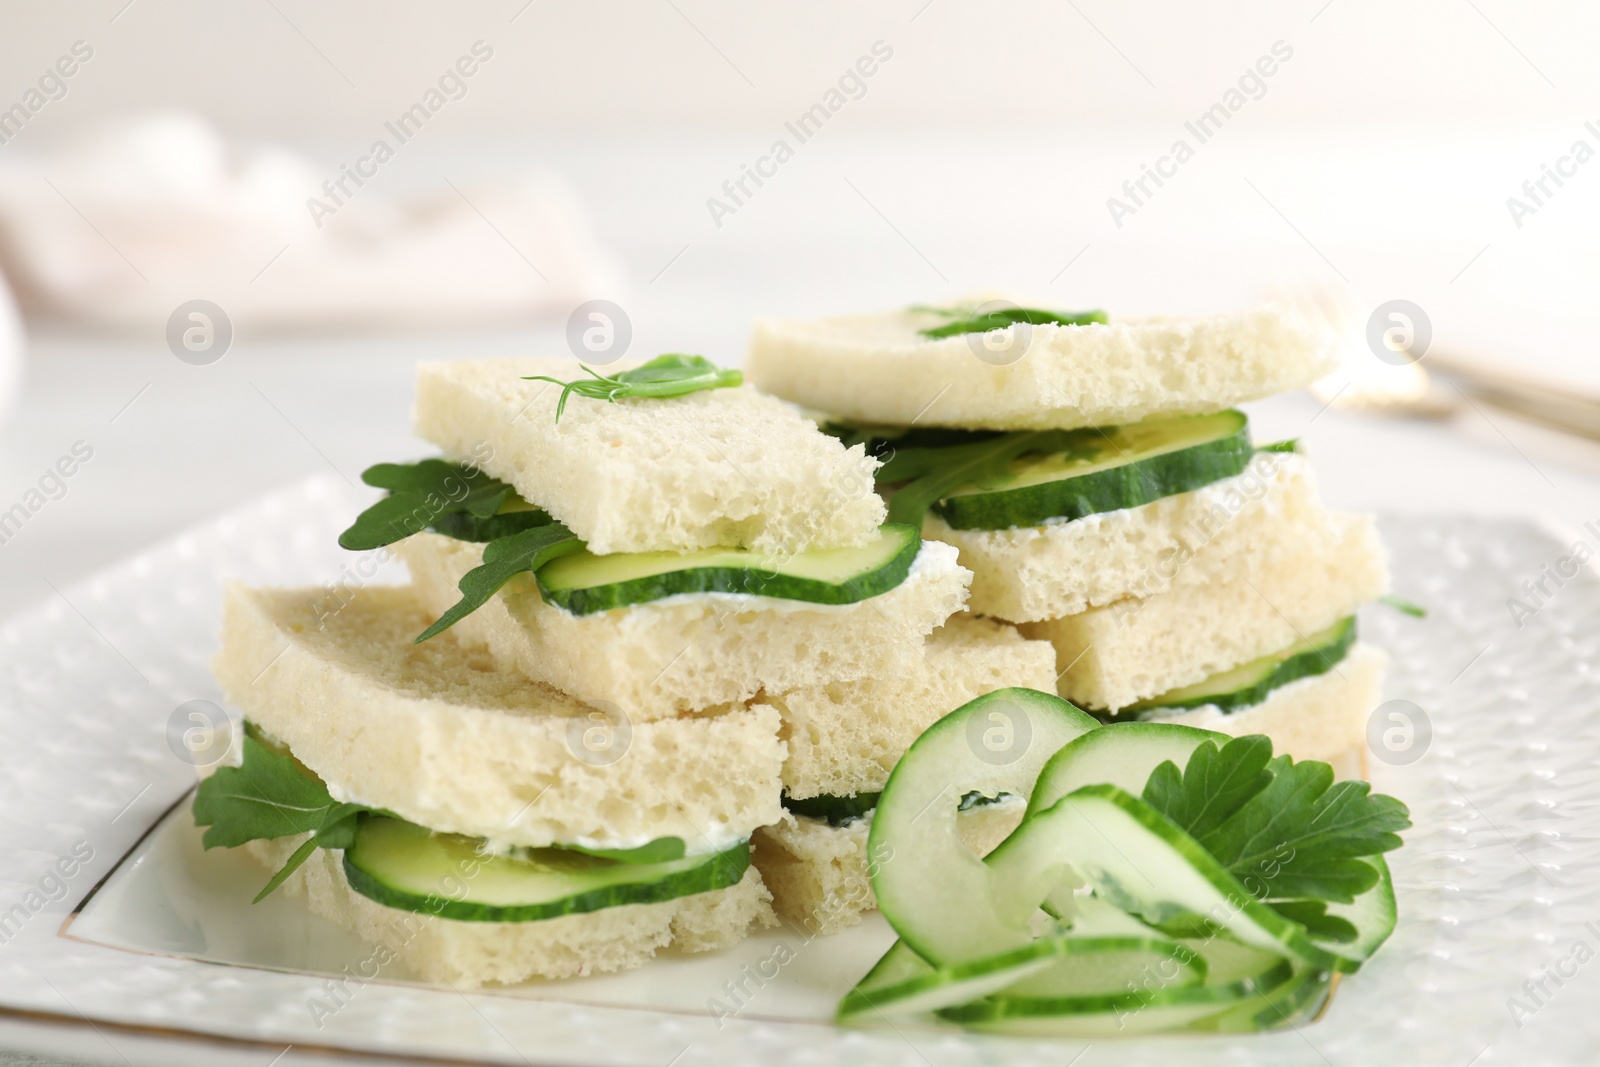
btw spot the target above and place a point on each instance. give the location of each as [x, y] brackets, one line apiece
[1496, 883]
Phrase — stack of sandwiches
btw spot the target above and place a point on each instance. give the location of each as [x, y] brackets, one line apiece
[658, 652]
[1108, 498]
[667, 633]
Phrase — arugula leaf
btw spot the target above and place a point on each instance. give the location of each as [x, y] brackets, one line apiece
[968, 321]
[504, 559]
[272, 795]
[674, 374]
[421, 494]
[931, 473]
[1297, 836]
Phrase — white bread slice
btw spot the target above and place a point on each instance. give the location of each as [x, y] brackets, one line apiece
[879, 369]
[471, 954]
[683, 653]
[821, 876]
[440, 735]
[845, 737]
[1235, 526]
[1321, 717]
[721, 467]
[1111, 656]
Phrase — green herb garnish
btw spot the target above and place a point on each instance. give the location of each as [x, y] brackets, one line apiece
[931, 473]
[970, 320]
[453, 498]
[272, 795]
[504, 559]
[1291, 445]
[674, 374]
[1286, 830]
[1400, 604]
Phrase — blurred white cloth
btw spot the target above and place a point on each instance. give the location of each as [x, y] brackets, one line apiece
[122, 227]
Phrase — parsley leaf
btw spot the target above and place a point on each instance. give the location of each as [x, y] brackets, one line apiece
[1215, 786]
[272, 795]
[422, 494]
[674, 374]
[1295, 836]
[504, 559]
[1313, 915]
[967, 320]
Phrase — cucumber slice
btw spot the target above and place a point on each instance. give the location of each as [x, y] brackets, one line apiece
[1136, 859]
[1112, 995]
[935, 893]
[1114, 468]
[1123, 754]
[1249, 683]
[1373, 914]
[1229, 962]
[1296, 999]
[903, 983]
[403, 865]
[1105, 953]
[1128, 1014]
[584, 583]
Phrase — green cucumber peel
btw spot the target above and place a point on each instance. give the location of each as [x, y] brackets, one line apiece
[402, 865]
[1251, 683]
[1104, 469]
[931, 473]
[582, 583]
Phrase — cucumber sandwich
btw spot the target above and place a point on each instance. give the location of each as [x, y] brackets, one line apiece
[643, 606]
[1109, 499]
[664, 554]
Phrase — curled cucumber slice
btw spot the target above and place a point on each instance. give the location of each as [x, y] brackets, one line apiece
[903, 983]
[939, 897]
[1136, 859]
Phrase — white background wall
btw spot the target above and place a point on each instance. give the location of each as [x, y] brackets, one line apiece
[291, 68]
